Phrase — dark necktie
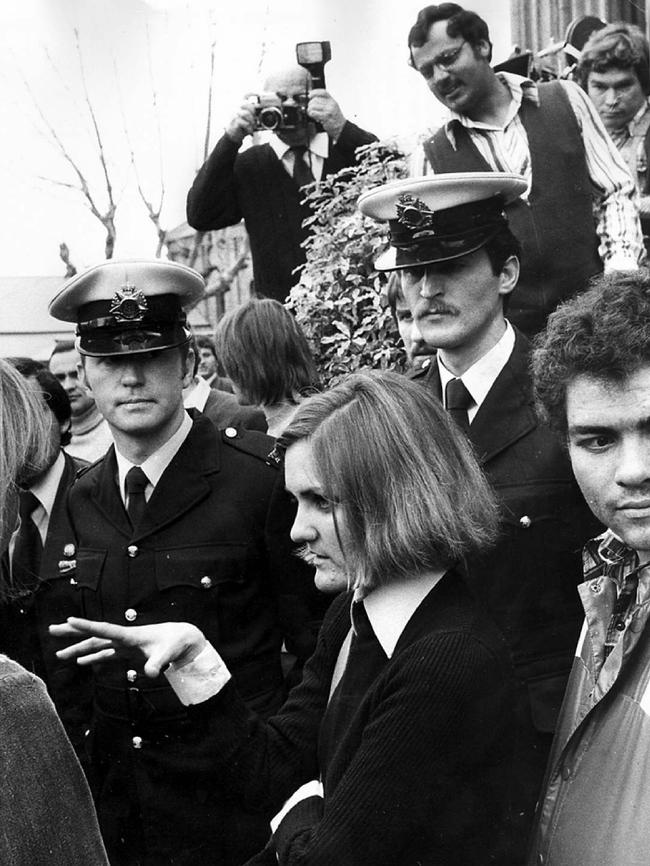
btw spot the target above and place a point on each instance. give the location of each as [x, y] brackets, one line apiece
[457, 402]
[136, 481]
[301, 171]
[28, 549]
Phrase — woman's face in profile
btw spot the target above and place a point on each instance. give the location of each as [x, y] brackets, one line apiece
[317, 520]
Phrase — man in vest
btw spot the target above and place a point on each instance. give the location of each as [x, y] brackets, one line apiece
[592, 377]
[262, 184]
[459, 264]
[577, 213]
[614, 70]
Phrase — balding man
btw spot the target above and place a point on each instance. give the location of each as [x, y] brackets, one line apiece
[261, 185]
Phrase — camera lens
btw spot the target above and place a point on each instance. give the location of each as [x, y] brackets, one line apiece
[270, 118]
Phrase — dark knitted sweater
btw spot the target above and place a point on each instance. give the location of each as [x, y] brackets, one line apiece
[254, 186]
[422, 772]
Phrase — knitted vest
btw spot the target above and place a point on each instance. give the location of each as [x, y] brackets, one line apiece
[556, 226]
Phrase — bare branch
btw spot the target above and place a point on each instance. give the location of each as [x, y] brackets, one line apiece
[64, 255]
[208, 125]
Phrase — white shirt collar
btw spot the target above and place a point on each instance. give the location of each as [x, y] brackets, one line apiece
[319, 145]
[479, 378]
[196, 396]
[154, 466]
[520, 88]
[391, 606]
[45, 490]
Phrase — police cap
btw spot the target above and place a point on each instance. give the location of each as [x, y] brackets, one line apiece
[126, 307]
[440, 217]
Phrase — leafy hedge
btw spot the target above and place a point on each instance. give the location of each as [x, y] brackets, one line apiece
[338, 301]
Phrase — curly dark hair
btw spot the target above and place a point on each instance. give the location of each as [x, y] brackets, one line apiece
[617, 46]
[604, 333]
[460, 22]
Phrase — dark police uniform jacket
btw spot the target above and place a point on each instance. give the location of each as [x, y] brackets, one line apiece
[212, 549]
[24, 621]
[529, 579]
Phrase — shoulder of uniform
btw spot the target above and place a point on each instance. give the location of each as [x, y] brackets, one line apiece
[250, 442]
[86, 467]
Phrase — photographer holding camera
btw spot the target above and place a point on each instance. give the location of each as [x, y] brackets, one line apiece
[309, 139]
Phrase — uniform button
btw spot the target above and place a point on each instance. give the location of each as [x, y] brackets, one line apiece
[596, 585]
[206, 582]
[131, 676]
[69, 550]
[566, 773]
[231, 432]
[73, 582]
[425, 364]
[130, 615]
[132, 550]
[525, 522]
[137, 742]
[620, 625]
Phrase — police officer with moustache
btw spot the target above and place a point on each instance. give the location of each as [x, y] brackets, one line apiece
[459, 264]
[178, 521]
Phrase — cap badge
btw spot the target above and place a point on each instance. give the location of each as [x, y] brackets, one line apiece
[128, 304]
[414, 213]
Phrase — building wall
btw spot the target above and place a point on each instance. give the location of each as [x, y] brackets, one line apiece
[536, 23]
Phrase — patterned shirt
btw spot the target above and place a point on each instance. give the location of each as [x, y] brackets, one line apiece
[506, 148]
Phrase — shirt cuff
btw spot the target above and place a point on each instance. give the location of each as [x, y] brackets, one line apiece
[200, 679]
[620, 262]
[309, 789]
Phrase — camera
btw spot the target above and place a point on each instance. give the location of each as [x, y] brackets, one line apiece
[274, 112]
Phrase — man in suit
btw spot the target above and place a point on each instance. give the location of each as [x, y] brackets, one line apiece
[179, 521]
[459, 264]
[261, 185]
[35, 588]
[221, 407]
[577, 213]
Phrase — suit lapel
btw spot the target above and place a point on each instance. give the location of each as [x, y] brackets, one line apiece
[106, 496]
[184, 482]
[507, 413]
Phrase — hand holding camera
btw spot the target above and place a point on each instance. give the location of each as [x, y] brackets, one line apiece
[325, 110]
[243, 123]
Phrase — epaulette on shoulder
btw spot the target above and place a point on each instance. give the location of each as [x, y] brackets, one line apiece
[83, 469]
[251, 442]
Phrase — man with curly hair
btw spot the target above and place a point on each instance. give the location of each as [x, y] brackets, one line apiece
[592, 374]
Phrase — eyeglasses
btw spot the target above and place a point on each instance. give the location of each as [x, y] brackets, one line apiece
[443, 61]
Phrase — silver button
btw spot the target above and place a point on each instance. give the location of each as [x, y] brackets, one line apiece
[137, 742]
[425, 364]
[566, 773]
[73, 582]
[525, 522]
[69, 550]
[206, 582]
[130, 615]
[132, 550]
[231, 432]
[131, 676]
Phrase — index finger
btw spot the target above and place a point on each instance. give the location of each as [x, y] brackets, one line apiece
[74, 626]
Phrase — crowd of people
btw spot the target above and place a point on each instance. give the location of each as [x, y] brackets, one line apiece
[248, 618]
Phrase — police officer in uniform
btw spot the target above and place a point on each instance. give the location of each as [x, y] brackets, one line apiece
[458, 263]
[180, 522]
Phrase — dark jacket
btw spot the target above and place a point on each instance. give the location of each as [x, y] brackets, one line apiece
[24, 621]
[213, 549]
[46, 813]
[254, 186]
[224, 410]
[529, 579]
[421, 770]
[555, 226]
